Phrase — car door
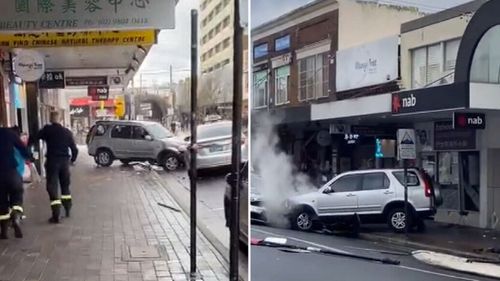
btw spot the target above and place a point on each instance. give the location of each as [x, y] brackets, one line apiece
[339, 198]
[375, 192]
[144, 148]
[121, 141]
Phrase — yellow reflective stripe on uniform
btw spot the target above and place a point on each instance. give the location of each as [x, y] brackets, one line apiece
[5, 217]
[55, 202]
[66, 197]
[18, 208]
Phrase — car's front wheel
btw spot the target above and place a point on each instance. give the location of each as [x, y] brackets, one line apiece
[170, 162]
[302, 220]
[104, 158]
[397, 220]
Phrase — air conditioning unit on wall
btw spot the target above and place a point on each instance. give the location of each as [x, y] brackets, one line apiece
[340, 129]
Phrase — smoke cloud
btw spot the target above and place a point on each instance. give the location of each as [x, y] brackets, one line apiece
[280, 179]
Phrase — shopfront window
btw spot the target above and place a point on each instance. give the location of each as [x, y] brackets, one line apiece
[260, 92]
[282, 75]
[313, 77]
[434, 65]
[485, 66]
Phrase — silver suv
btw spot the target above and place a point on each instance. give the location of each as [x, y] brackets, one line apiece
[373, 195]
[129, 141]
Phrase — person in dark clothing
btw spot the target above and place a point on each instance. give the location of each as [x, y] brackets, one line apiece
[11, 183]
[59, 142]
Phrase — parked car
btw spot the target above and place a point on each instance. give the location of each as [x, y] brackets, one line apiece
[257, 209]
[129, 141]
[215, 144]
[243, 203]
[212, 118]
[374, 196]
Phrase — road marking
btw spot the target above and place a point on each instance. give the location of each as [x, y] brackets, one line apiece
[437, 273]
[339, 250]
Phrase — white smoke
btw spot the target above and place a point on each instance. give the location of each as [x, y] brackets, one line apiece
[280, 178]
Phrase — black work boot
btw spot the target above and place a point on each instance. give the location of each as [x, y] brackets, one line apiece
[67, 207]
[56, 214]
[4, 227]
[16, 223]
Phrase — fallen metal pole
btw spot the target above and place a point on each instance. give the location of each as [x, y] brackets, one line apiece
[236, 144]
[192, 152]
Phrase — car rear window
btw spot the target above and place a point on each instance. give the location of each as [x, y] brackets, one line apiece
[214, 131]
[412, 178]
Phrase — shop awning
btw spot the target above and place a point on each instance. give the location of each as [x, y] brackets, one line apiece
[86, 101]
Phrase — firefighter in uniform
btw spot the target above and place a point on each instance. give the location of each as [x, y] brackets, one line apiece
[11, 183]
[60, 143]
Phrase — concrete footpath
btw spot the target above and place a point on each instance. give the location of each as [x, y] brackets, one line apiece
[210, 222]
[117, 232]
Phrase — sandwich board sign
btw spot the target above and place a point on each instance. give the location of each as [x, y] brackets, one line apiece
[407, 149]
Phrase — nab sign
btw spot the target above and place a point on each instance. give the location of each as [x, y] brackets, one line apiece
[469, 120]
[98, 93]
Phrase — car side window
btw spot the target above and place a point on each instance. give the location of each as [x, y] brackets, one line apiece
[346, 184]
[121, 132]
[139, 133]
[375, 181]
[412, 178]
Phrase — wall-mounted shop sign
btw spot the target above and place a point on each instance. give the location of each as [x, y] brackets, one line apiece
[29, 65]
[438, 98]
[52, 80]
[447, 138]
[30, 15]
[79, 111]
[78, 39]
[87, 81]
[376, 131]
[469, 120]
[98, 93]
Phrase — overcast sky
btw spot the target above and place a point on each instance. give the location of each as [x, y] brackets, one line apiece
[266, 10]
[173, 46]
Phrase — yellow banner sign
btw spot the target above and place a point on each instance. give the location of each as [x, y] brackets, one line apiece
[78, 39]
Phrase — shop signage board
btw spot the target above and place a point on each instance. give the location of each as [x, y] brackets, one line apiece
[29, 65]
[58, 15]
[98, 93]
[431, 99]
[52, 80]
[78, 39]
[87, 81]
[377, 131]
[469, 120]
[407, 149]
[367, 65]
[448, 138]
[79, 111]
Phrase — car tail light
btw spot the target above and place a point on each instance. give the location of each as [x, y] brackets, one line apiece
[427, 186]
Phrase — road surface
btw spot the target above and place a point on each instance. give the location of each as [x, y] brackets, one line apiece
[271, 264]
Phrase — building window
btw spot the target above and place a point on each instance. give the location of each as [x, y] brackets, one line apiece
[282, 43]
[225, 62]
[282, 81]
[260, 93]
[226, 21]
[218, 28]
[313, 77]
[434, 65]
[486, 61]
[260, 51]
[218, 47]
[226, 42]
[218, 8]
[225, 2]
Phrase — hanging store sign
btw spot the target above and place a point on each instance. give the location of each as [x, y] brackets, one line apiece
[29, 65]
[447, 138]
[87, 81]
[407, 148]
[52, 80]
[366, 65]
[469, 120]
[78, 39]
[98, 93]
[31, 15]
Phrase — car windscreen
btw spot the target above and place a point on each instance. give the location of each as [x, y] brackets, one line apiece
[412, 178]
[158, 131]
[214, 131]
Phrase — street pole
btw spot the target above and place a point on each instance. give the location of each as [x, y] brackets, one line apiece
[236, 145]
[407, 215]
[194, 106]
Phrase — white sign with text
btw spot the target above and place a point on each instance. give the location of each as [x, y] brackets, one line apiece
[369, 64]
